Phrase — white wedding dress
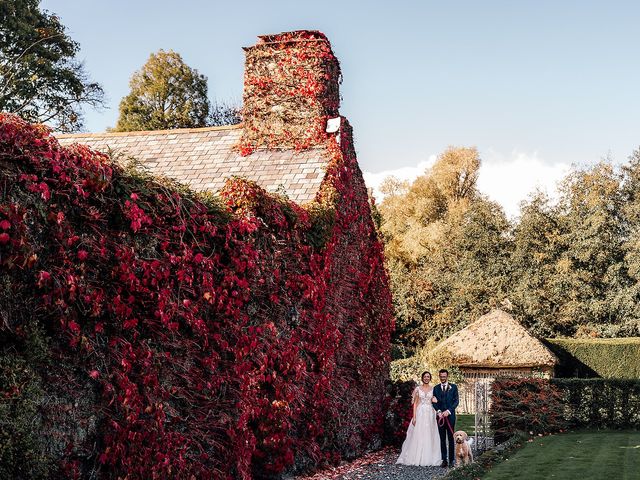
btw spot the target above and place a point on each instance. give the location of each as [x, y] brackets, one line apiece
[422, 445]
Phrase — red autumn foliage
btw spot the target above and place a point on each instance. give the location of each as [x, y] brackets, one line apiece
[526, 405]
[398, 411]
[210, 341]
[291, 88]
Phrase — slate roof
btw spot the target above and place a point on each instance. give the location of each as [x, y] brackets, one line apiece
[204, 158]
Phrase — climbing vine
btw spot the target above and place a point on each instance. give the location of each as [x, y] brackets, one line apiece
[291, 88]
[187, 336]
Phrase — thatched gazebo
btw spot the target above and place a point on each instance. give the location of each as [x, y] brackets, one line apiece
[496, 345]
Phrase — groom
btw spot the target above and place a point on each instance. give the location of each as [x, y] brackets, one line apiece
[446, 395]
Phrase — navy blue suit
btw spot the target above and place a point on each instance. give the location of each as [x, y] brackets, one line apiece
[447, 400]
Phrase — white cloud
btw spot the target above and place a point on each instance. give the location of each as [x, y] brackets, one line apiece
[509, 179]
[506, 179]
[373, 180]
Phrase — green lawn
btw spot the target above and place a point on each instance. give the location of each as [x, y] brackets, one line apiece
[582, 455]
[465, 422]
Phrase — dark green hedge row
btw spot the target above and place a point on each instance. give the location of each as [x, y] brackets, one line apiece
[600, 403]
[541, 406]
[597, 357]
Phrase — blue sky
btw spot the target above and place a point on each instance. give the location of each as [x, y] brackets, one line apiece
[535, 85]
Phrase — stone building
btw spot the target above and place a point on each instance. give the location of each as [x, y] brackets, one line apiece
[281, 143]
[330, 307]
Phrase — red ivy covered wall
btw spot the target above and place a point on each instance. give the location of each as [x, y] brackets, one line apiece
[181, 336]
[291, 88]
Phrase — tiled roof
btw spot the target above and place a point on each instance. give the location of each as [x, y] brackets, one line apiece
[204, 158]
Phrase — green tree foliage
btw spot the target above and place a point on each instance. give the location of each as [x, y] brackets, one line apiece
[537, 264]
[40, 78]
[568, 263]
[166, 93]
[591, 205]
[224, 113]
[447, 249]
[471, 268]
[568, 267]
[629, 296]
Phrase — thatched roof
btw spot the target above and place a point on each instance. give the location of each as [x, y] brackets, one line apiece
[497, 340]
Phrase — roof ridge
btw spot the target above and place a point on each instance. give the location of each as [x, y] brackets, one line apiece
[149, 132]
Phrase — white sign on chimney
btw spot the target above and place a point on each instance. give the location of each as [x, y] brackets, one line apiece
[333, 125]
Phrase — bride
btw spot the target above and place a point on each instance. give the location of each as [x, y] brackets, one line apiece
[422, 445]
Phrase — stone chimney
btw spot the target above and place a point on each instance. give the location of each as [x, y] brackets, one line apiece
[291, 89]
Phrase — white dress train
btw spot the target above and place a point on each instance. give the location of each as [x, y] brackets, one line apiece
[422, 445]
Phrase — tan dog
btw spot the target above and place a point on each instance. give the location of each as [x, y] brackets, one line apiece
[463, 448]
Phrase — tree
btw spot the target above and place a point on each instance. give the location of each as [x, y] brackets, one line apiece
[631, 214]
[568, 263]
[629, 296]
[223, 113]
[447, 249]
[469, 267]
[413, 214]
[166, 93]
[538, 264]
[569, 267]
[456, 173]
[40, 78]
[592, 205]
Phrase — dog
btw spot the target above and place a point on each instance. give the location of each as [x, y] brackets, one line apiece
[464, 455]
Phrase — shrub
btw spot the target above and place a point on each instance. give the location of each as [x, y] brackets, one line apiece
[22, 450]
[607, 358]
[425, 358]
[542, 406]
[526, 405]
[600, 403]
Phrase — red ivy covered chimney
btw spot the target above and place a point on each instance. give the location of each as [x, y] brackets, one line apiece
[291, 88]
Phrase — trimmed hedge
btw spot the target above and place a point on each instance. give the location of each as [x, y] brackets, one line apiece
[597, 357]
[541, 406]
[525, 405]
[600, 403]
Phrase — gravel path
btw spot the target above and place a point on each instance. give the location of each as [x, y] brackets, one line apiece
[377, 466]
